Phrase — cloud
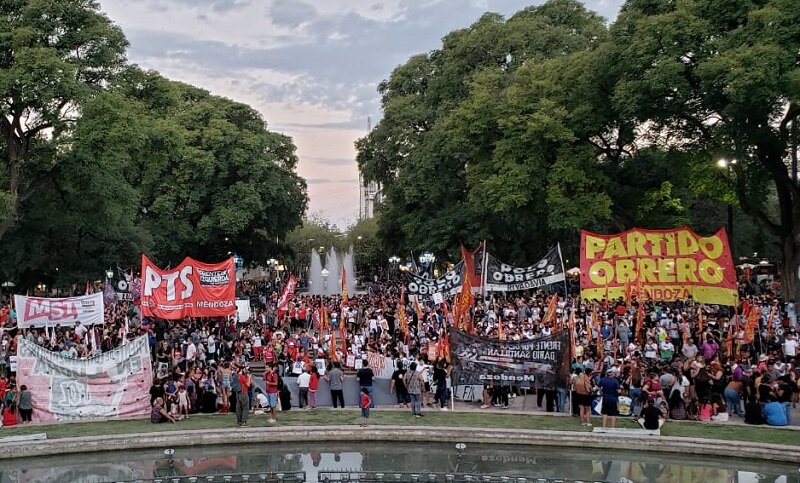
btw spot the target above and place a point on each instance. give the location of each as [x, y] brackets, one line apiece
[311, 67]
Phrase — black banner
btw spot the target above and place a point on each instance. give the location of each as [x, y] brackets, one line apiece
[501, 277]
[426, 287]
[532, 363]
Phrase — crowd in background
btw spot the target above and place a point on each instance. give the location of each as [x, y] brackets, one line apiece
[689, 360]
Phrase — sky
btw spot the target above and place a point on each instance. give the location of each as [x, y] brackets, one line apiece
[311, 67]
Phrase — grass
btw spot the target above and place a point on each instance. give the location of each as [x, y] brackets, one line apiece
[402, 418]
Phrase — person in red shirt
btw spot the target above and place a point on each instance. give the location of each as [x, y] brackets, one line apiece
[366, 402]
[271, 383]
[10, 415]
[313, 385]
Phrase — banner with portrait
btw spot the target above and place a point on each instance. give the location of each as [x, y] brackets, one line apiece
[542, 363]
[658, 265]
[115, 384]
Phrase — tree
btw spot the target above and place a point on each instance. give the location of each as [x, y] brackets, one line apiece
[54, 55]
[720, 79]
[368, 249]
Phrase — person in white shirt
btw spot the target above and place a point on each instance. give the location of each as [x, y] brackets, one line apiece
[303, 382]
[790, 346]
[80, 329]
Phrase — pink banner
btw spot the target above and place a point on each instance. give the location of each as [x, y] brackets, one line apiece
[112, 385]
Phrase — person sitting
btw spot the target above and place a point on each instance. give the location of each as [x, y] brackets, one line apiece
[775, 414]
[752, 412]
[158, 414]
[720, 411]
[651, 417]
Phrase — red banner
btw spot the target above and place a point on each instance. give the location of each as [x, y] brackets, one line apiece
[664, 265]
[287, 295]
[192, 289]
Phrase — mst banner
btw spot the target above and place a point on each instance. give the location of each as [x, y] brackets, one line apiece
[531, 363]
[447, 284]
[662, 264]
[113, 384]
[192, 289]
[49, 312]
[501, 277]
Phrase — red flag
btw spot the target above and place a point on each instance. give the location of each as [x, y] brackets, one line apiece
[500, 334]
[464, 302]
[700, 321]
[752, 323]
[89, 288]
[324, 325]
[332, 349]
[639, 322]
[420, 314]
[286, 296]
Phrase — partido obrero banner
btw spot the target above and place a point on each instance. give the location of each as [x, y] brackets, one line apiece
[49, 312]
[530, 363]
[113, 384]
[662, 264]
[501, 277]
[192, 289]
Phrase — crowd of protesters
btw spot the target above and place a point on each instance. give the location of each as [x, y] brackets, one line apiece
[629, 357]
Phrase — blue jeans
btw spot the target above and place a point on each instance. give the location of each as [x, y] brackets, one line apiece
[788, 407]
[561, 399]
[416, 403]
[441, 395]
[369, 393]
[733, 401]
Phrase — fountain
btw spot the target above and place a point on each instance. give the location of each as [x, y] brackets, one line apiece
[329, 281]
[334, 285]
[350, 269]
[315, 275]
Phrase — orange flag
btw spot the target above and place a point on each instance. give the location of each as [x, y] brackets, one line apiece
[700, 316]
[639, 322]
[500, 334]
[551, 310]
[401, 314]
[752, 323]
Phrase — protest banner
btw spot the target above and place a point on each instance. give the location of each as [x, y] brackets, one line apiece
[531, 363]
[501, 277]
[192, 289]
[51, 311]
[113, 384]
[664, 265]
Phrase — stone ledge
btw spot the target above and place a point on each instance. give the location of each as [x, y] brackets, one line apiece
[569, 439]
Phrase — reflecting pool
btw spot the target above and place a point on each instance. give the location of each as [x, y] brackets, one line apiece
[319, 460]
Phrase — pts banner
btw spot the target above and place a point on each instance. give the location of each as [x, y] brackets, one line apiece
[532, 363]
[192, 289]
[662, 264]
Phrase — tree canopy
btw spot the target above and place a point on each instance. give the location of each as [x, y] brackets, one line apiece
[523, 131]
[104, 161]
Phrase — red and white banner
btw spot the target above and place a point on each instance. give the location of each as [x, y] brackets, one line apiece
[192, 289]
[287, 295]
[113, 384]
[49, 312]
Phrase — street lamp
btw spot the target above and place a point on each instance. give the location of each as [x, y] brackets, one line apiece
[427, 259]
[728, 165]
[394, 261]
[109, 273]
[325, 273]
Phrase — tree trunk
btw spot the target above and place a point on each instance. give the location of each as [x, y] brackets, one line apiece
[790, 276]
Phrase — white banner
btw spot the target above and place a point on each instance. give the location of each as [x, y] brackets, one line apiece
[113, 384]
[51, 311]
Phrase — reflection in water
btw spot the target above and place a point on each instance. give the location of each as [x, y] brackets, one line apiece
[569, 463]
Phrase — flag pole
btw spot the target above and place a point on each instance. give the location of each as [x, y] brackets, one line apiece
[561, 258]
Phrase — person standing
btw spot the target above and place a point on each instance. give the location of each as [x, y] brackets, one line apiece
[313, 386]
[440, 379]
[303, 381]
[271, 384]
[610, 390]
[241, 386]
[413, 382]
[583, 396]
[365, 377]
[366, 402]
[25, 404]
[398, 386]
[336, 379]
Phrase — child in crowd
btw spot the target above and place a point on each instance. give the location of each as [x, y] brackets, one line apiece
[366, 402]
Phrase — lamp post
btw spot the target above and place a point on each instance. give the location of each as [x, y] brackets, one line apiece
[426, 260]
[325, 273]
[394, 261]
[109, 273]
[728, 165]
